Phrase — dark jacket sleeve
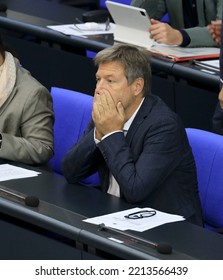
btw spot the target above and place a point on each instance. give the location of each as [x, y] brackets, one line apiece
[81, 160]
[217, 120]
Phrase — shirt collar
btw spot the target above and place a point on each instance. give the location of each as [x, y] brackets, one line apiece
[129, 121]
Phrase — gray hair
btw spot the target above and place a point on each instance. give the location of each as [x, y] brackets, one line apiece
[134, 60]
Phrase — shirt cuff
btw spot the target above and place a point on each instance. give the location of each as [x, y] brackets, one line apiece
[186, 38]
[97, 141]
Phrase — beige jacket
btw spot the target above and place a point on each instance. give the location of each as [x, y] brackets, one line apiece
[26, 121]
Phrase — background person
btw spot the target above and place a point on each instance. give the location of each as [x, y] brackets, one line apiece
[216, 31]
[26, 114]
[188, 20]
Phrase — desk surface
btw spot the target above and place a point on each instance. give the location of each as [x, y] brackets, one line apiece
[42, 9]
[187, 240]
[31, 17]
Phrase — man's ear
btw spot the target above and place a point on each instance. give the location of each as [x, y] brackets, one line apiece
[138, 85]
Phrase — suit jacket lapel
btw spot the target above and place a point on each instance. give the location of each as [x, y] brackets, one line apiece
[139, 118]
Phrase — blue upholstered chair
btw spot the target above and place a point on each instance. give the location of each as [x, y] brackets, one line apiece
[72, 113]
[207, 148]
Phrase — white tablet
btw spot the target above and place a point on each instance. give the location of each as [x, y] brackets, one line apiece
[131, 24]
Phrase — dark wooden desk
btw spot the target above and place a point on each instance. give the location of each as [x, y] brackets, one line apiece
[62, 61]
[53, 58]
[55, 229]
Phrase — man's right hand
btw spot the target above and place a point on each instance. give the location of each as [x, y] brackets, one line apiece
[107, 116]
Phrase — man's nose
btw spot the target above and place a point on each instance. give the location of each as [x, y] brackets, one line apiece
[100, 84]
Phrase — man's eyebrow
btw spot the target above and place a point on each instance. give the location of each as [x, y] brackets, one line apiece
[106, 76]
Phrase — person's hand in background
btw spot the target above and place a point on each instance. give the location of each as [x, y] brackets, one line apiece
[163, 33]
[215, 30]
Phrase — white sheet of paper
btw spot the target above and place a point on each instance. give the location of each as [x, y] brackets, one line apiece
[211, 63]
[10, 172]
[72, 30]
[118, 221]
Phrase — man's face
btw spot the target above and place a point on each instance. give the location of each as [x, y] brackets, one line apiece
[111, 78]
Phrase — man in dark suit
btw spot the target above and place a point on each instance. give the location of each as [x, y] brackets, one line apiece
[135, 142]
[216, 31]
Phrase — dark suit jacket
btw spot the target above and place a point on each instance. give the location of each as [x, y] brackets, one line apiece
[217, 119]
[153, 164]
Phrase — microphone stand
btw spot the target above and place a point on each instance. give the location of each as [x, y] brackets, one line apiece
[163, 248]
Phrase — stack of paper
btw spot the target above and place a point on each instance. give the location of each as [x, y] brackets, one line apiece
[178, 54]
[9, 172]
[212, 65]
[118, 221]
[82, 30]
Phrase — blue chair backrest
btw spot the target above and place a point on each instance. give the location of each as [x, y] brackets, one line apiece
[72, 111]
[207, 148]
